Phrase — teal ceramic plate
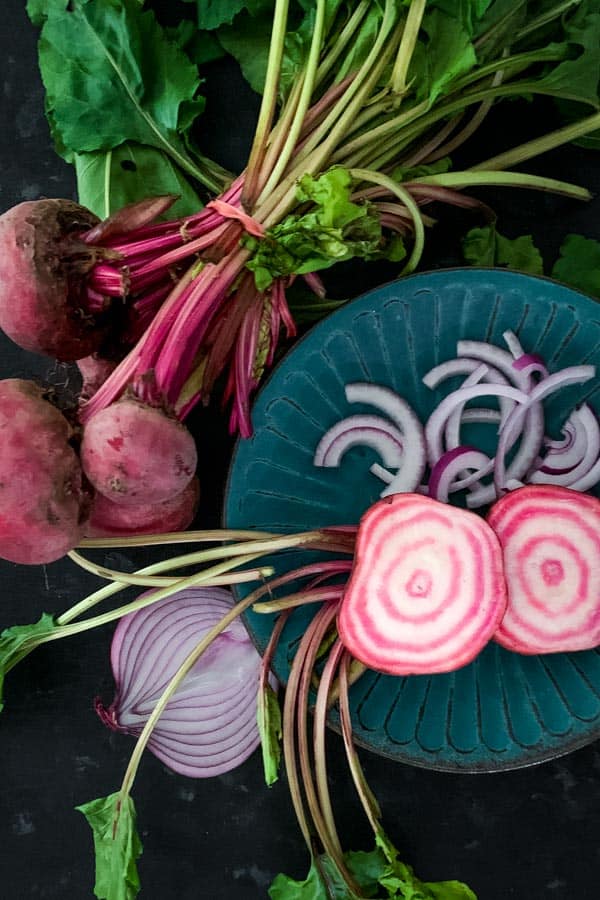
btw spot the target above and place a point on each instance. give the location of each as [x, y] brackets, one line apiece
[503, 710]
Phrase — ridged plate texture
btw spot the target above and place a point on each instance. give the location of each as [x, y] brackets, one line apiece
[503, 710]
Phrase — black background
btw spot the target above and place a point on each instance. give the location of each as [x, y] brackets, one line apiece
[526, 834]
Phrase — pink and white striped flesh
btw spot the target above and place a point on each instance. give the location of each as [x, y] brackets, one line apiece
[550, 539]
[427, 590]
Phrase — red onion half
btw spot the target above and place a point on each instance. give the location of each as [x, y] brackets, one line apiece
[209, 726]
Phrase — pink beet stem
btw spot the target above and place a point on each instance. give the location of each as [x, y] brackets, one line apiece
[174, 256]
[179, 320]
[173, 363]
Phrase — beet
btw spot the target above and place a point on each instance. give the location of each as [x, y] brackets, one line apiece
[136, 454]
[43, 268]
[427, 590]
[550, 537]
[108, 519]
[43, 502]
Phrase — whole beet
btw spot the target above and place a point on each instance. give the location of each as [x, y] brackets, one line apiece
[43, 265]
[108, 519]
[43, 503]
[137, 455]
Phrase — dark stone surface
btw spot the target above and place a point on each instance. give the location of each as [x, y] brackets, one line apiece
[526, 834]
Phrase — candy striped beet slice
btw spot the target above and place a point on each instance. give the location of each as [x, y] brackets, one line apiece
[550, 539]
[427, 590]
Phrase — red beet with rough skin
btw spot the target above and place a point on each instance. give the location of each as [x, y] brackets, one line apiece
[136, 454]
[43, 265]
[43, 503]
[94, 371]
[108, 519]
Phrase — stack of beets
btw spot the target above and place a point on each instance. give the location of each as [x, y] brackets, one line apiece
[131, 468]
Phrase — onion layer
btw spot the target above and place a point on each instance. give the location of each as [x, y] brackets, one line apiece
[550, 539]
[398, 439]
[209, 726]
[454, 463]
[427, 590]
[366, 431]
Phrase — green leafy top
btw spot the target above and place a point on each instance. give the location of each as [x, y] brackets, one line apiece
[114, 77]
[577, 266]
[380, 875]
[246, 36]
[577, 77]
[110, 75]
[456, 37]
[122, 94]
[447, 52]
[487, 247]
[213, 13]
[334, 229]
[117, 846]
[18, 641]
[460, 35]
[108, 180]
[247, 40]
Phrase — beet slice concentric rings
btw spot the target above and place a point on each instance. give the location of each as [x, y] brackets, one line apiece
[427, 590]
[550, 539]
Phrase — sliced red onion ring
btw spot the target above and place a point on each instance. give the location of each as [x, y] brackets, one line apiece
[460, 366]
[363, 430]
[505, 361]
[564, 443]
[404, 417]
[512, 426]
[587, 481]
[399, 442]
[453, 463]
[489, 375]
[481, 373]
[209, 726]
[513, 343]
[527, 364]
[532, 435]
[592, 477]
[437, 420]
[564, 455]
[469, 367]
[533, 423]
[532, 426]
[497, 357]
[531, 364]
[528, 450]
[381, 473]
[481, 415]
[591, 451]
[519, 381]
[387, 401]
